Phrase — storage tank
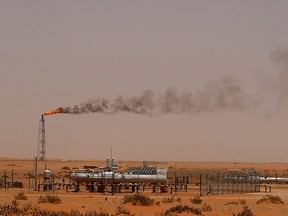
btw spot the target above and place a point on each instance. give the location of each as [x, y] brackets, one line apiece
[47, 176]
[47, 179]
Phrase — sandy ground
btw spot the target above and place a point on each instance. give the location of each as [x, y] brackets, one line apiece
[85, 201]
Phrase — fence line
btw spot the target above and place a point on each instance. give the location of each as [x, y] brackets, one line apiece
[228, 183]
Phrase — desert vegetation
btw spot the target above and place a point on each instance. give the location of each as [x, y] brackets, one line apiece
[49, 199]
[246, 211]
[196, 200]
[271, 199]
[21, 201]
[232, 203]
[241, 202]
[178, 209]
[206, 207]
[171, 199]
[26, 209]
[138, 199]
[120, 210]
[20, 196]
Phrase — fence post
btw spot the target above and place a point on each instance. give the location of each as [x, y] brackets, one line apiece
[12, 183]
[5, 181]
[29, 183]
[200, 184]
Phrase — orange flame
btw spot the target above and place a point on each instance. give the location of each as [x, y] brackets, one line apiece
[52, 112]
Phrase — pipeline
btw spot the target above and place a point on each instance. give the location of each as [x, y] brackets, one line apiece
[88, 175]
[273, 180]
[267, 179]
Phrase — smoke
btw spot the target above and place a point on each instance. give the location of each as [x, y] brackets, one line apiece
[280, 57]
[224, 94]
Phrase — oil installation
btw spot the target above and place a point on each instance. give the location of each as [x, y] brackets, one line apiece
[109, 177]
[136, 178]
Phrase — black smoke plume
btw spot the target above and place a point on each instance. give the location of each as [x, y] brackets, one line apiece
[225, 94]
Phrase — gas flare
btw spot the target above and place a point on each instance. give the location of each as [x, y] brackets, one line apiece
[56, 111]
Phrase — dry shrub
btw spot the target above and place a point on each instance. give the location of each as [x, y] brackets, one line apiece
[246, 211]
[178, 199]
[206, 207]
[232, 203]
[183, 208]
[138, 199]
[168, 200]
[196, 200]
[120, 210]
[15, 209]
[49, 199]
[94, 213]
[271, 199]
[20, 196]
[243, 201]
[46, 212]
[27, 206]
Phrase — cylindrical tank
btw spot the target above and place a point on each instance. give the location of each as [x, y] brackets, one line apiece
[47, 176]
[47, 180]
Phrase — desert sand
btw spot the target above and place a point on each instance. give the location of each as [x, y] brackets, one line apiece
[84, 201]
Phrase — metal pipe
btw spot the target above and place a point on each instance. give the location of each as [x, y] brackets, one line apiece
[110, 177]
[273, 179]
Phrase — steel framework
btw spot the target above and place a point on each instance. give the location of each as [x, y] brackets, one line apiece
[41, 148]
[229, 182]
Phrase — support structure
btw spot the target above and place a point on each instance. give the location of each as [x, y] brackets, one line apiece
[41, 149]
[35, 174]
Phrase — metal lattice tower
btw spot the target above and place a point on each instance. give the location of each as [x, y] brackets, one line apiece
[41, 149]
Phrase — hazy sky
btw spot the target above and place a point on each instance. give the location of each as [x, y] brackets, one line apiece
[64, 53]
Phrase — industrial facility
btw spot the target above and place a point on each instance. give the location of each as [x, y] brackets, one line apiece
[109, 179]
[101, 179]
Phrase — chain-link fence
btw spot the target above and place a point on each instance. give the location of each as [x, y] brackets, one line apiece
[229, 183]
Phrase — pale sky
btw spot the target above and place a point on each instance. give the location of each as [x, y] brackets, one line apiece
[64, 53]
